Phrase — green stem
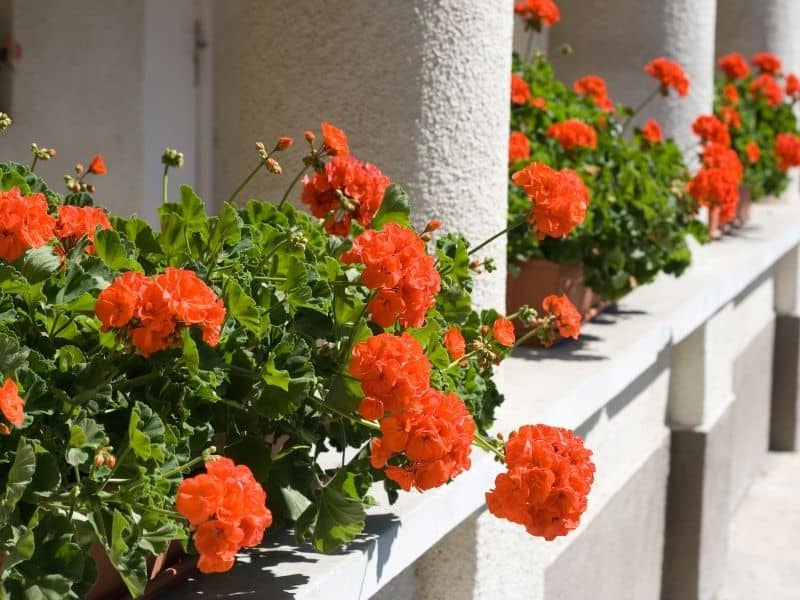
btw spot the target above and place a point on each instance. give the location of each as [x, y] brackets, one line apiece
[484, 444]
[356, 420]
[138, 381]
[33, 164]
[351, 339]
[182, 468]
[64, 326]
[642, 104]
[244, 182]
[511, 227]
[164, 185]
[291, 186]
[120, 458]
[458, 361]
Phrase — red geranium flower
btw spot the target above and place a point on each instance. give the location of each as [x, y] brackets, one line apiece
[98, 165]
[651, 131]
[767, 62]
[344, 190]
[503, 332]
[710, 129]
[669, 74]
[715, 187]
[334, 140]
[753, 151]
[560, 199]
[594, 87]
[454, 342]
[12, 405]
[734, 66]
[792, 85]
[75, 222]
[730, 116]
[519, 147]
[567, 317]
[520, 92]
[539, 103]
[24, 223]
[767, 87]
[719, 156]
[548, 476]
[787, 149]
[538, 12]
[573, 133]
[731, 93]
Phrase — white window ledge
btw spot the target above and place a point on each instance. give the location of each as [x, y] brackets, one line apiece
[562, 386]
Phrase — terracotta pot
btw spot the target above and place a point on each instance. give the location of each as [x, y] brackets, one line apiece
[744, 207]
[538, 278]
[165, 571]
[714, 228]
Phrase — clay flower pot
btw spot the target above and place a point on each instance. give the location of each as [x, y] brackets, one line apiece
[538, 278]
[714, 228]
[166, 570]
[744, 207]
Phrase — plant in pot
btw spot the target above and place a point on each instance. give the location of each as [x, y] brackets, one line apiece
[757, 101]
[632, 222]
[190, 384]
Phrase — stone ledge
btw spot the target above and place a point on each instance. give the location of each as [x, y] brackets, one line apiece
[562, 386]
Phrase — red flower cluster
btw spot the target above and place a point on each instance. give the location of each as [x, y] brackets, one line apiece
[767, 87]
[394, 372]
[731, 93]
[24, 223]
[734, 66]
[652, 132]
[344, 190]
[399, 268]
[719, 156]
[787, 149]
[573, 133]
[594, 87]
[12, 405]
[548, 475]
[539, 103]
[730, 116]
[567, 317]
[424, 432]
[669, 74]
[454, 342]
[710, 129]
[560, 199]
[519, 147]
[538, 12]
[716, 188]
[227, 509]
[767, 62]
[753, 151]
[334, 140]
[503, 332]
[74, 222]
[792, 85]
[520, 92]
[153, 310]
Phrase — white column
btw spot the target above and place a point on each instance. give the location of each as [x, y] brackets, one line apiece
[617, 38]
[422, 89]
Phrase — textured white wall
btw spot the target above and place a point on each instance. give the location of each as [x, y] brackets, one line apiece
[420, 87]
[617, 38]
[767, 25]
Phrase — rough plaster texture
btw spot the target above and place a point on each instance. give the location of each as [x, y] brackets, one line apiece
[421, 88]
[752, 386]
[698, 510]
[784, 431]
[682, 30]
[490, 558]
[767, 25]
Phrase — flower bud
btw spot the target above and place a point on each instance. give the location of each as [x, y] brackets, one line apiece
[112, 461]
[309, 135]
[78, 168]
[5, 121]
[284, 143]
[99, 459]
[298, 240]
[432, 225]
[172, 158]
[273, 166]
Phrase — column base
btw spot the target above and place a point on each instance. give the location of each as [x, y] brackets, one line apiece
[784, 433]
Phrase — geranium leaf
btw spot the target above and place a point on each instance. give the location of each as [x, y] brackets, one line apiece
[19, 477]
[146, 433]
[109, 249]
[38, 264]
[395, 208]
[243, 308]
[12, 356]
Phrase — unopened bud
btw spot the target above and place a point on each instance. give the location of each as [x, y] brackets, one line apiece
[484, 329]
[91, 189]
[99, 460]
[426, 237]
[112, 461]
[475, 265]
[298, 240]
[78, 168]
[309, 135]
[566, 49]
[172, 158]
[5, 121]
[4, 429]
[273, 166]
[284, 143]
[433, 225]
[489, 264]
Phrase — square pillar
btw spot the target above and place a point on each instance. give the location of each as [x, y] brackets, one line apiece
[785, 419]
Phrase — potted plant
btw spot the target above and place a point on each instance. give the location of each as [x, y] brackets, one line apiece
[179, 384]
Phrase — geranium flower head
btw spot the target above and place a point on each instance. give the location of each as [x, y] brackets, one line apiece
[787, 149]
[669, 74]
[398, 267]
[792, 85]
[767, 87]
[716, 188]
[12, 405]
[503, 332]
[573, 133]
[730, 116]
[536, 13]
[560, 199]
[710, 129]
[454, 342]
[538, 102]
[753, 151]
[334, 140]
[651, 131]
[734, 66]
[720, 156]
[75, 222]
[24, 223]
[519, 147]
[594, 87]
[520, 92]
[97, 166]
[567, 317]
[731, 93]
[344, 190]
[549, 473]
[766, 62]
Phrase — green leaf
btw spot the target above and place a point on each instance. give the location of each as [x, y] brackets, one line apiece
[12, 356]
[395, 208]
[146, 433]
[68, 357]
[190, 355]
[108, 247]
[274, 376]
[19, 477]
[90, 275]
[225, 229]
[39, 263]
[243, 308]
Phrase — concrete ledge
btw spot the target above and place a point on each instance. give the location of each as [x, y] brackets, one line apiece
[785, 417]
